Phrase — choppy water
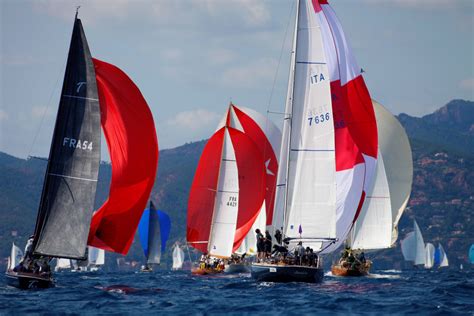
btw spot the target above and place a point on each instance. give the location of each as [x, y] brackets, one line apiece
[165, 292]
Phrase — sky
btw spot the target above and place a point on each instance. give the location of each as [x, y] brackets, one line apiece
[190, 58]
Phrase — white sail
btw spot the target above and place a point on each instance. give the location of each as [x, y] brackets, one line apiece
[96, 256]
[249, 245]
[15, 256]
[443, 257]
[420, 245]
[429, 255]
[226, 207]
[62, 264]
[396, 151]
[311, 186]
[409, 247]
[178, 257]
[373, 228]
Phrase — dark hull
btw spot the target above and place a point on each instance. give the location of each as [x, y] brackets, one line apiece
[237, 268]
[286, 273]
[25, 281]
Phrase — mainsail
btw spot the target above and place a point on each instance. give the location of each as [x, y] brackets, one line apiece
[131, 138]
[329, 141]
[413, 246]
[178, 257]
[227, 192]
[67, 199]
[154, 230]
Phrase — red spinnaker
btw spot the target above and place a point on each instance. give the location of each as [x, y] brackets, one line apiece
[131, 138]
[253, 130]
[252, 174]
[202, 195]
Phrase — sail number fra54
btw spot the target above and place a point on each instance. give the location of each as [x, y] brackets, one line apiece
[77, 143]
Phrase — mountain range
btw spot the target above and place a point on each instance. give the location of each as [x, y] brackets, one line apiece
[442, 199]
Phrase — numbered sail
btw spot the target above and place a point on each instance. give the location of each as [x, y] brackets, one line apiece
[68, 195]
[227, 192]
[178, 258]
[96, 256]
[131, 138]
[154, 230]
[429, 255]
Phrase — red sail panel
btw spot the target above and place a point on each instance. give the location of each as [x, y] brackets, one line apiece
[252, 129]
[251, 168]
[203, 192]
[130, 132]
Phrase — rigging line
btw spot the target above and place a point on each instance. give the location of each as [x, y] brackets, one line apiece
[46, 109]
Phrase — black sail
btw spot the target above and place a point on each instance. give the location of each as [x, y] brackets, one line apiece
[67, 200]
[154, 240]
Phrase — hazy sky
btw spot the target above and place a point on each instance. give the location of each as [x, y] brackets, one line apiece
[190, 57]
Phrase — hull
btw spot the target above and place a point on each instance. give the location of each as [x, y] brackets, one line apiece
[237, 268]
[24, 280]
[286, 273]
[339, 270]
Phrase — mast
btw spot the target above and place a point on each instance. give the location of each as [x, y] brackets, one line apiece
[290, 98]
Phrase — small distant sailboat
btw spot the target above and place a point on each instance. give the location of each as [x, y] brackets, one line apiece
[440, 257]
[154, 229]
[413, 246]
[63, 264]
[178, 257]
[429, 255]
[227, 192]
[96, 259]
[94, 93]
[15, 257]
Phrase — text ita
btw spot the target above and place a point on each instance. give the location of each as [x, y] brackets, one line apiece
[316, 78]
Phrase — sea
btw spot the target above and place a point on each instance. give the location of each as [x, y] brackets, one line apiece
[384, 292]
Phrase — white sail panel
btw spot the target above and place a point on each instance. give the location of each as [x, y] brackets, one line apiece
[62, 263]
[429, 255]
[15, 256]
[420, 245]
[249, 245]
[444, 257]
[409, 247]
[311, 187]
[373, 228]
[224, 219]
[96, 256]
[395, 148]
[178, 257]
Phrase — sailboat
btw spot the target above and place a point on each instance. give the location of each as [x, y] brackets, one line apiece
[440, 257]
[266, 135]
[15, 257]
[413, 246]
[329, 145]
[376, 227]
[96, 259]
[227, 192]
[63, 264]
[154, 230]
[94, 93]
[178, 257]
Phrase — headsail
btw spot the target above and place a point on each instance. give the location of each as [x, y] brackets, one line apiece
[15, 257]
[413, 246]
[131, 138]
[68, 195]
[444, 258]
[154, 229]
[96, 256]
[429, 255]
[178, 257]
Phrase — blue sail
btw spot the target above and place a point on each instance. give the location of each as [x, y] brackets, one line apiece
[471, 254]
[154, 229]
[437, 256]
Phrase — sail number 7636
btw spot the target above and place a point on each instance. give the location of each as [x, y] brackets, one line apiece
[320, 118]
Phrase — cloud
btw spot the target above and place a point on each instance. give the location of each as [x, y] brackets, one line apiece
[40, 111]
[467, 84]
[257, 73]
[194, 120]
[423, 4]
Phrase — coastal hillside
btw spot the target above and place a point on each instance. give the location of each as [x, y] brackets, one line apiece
[442, 201]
